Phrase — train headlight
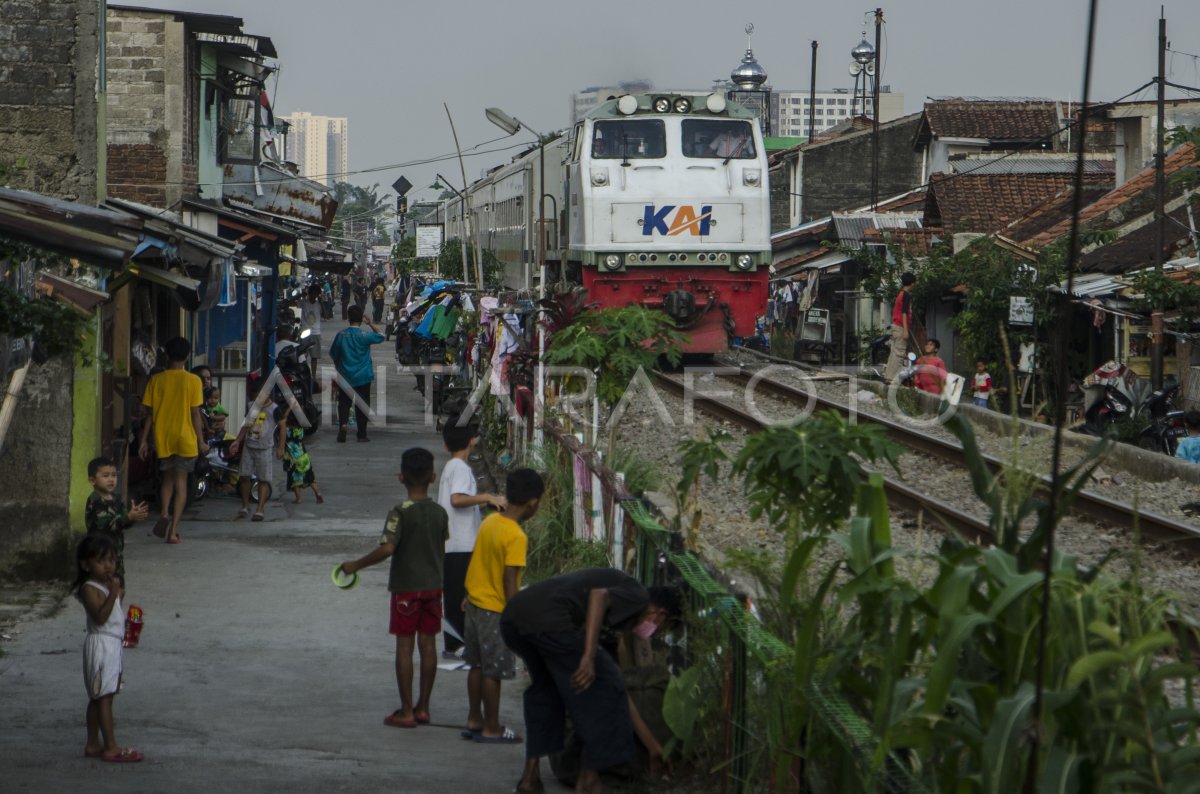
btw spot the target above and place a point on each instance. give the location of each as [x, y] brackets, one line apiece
[745, 262]
[715, 103]
[682, 105]
[612, 262]
[752, 177]
[599, 177]
[662, 104]
[627, 105]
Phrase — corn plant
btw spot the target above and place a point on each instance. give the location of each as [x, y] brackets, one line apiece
[904, 685]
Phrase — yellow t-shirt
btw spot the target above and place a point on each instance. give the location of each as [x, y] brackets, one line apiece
[171, 395]
[500, 544]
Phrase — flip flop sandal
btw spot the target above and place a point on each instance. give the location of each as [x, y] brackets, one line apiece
[468, 734]
[422, 717]
[507, 737]
[258, 517]
[243, 513]
[127, 756]
[92, 753]
[395, 722]
[173, 541]
[160, 527]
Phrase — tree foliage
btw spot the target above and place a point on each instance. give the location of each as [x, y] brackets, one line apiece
[616, 342]
[358, 205]
[55, 327]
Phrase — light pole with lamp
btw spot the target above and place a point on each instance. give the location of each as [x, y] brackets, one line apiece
[513, 125]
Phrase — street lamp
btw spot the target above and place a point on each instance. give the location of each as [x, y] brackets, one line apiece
[512, 125]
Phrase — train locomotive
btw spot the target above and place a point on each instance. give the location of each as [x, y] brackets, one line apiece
[667, 206]
[656, 200]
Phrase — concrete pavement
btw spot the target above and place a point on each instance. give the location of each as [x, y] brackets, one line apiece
[254, 672]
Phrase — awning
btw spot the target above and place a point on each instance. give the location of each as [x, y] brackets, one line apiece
[193, 246]
[85, 299]
[823, 262]
[100, 236]
[248, 225]
[185, 289]
[340, 267]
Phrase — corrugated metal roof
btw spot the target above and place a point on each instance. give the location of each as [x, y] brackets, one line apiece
[101, 236]
[1029, 165]
[850, 228]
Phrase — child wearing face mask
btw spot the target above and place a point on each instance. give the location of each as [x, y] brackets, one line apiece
[554, 626]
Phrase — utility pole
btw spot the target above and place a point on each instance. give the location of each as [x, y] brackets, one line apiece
[812, 93]
[466, 202]
[875, 119]
[1160, 217]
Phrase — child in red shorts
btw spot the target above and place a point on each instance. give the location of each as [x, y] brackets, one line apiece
[414, 536]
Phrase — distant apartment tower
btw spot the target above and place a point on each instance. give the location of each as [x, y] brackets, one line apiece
[790, 109]
[588, 98]
[319, 146]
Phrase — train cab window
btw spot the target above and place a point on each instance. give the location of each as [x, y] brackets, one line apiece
[634, 139]
[718, 139]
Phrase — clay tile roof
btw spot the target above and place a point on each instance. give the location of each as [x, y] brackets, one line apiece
[994, 120]
[1132, 199]
[1136, 249]
[1050, 212]
[989, 202]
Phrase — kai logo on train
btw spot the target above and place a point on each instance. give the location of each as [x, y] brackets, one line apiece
[671, 220]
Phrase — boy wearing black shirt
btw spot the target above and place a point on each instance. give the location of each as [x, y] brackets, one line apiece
[554, 626]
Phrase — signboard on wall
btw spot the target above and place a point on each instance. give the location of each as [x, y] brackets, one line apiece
[1020, 311]
[429, 240]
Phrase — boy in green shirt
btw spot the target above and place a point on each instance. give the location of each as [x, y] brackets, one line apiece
[105, 513]
[414, 537]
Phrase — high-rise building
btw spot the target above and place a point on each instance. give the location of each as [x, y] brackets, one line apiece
[588, 98]
[790, 109]
[319, 146]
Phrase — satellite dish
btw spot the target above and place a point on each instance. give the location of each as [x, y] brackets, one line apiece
[855, 68]
[870, 67]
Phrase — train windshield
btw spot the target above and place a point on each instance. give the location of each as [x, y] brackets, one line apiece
[718, 139]
[633, 139]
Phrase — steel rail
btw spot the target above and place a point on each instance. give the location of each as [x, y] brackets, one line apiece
[899, 494]
[1089, 504]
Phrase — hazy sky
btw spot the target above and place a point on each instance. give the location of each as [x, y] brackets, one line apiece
[388, 65]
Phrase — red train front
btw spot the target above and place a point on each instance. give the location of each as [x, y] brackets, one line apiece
[668, 207]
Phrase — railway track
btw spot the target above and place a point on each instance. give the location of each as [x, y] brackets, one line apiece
[1093, 506]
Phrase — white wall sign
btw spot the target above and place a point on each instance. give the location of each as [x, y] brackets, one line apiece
[429, 240]
[1020, 311]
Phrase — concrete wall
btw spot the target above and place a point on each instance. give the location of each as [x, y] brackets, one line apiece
[48, 103]
[837, 175]
[51, 118]
[147, 57]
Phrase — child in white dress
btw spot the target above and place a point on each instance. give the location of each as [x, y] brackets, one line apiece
[97, 586]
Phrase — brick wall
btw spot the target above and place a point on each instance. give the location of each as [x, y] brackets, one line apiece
[48, 108]
[137, 172]
[146, 68]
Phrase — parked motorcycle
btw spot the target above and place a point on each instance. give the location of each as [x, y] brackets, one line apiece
[292, 362]
[1113, 392]
[1166, 422]
[217, 472]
